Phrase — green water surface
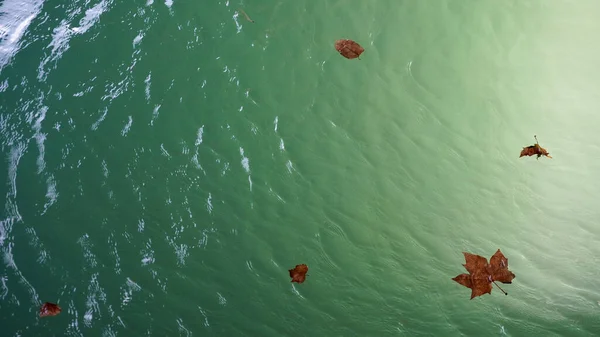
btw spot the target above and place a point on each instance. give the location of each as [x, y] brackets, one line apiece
[166, 163]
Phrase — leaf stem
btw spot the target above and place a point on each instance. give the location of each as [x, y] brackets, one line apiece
[502, 290]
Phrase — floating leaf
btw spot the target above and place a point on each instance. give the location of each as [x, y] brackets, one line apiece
[482, 274]
[298, 274]
[534, 149]
[246, 15]
[49, 309]
[348, 48]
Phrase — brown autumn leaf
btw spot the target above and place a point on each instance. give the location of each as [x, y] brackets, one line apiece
[298, 274]
[348, 48]
[464, 279]
[535, 149]
[482, 274]
[498, 268]
[49, 309]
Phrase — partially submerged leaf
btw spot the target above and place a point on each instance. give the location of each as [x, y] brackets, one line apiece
[246, 15]
[348, 48]
[482, 274]
[298, 274]
[49, 309]
[534, 150]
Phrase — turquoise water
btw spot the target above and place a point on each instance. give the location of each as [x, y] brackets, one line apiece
[166, 163]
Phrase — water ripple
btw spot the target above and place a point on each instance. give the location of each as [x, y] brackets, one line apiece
[15, 18]
[62, 34]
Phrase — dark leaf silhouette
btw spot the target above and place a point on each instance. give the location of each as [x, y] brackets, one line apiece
[49, 309]
[348, 48]
[482, 274]
[298, 274]
[534, 149]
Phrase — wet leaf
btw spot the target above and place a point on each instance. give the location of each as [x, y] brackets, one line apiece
[49, 309]
[348, 48]
[482, 274]
[534, 150]
[298, 274]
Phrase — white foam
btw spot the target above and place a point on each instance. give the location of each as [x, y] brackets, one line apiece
[51, 193]
[148, 83]
[40, 138]
[15, 156]
[154, 114]
[199, 136]
[127, 127]
[138, 39]
[209, 206]
[222, 299]
[245, 161]
[62, 34]
[15, 17]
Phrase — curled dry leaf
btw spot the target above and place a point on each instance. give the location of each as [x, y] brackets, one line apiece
[49, 309]
[348, 48]
[482, 274]
[298, 274]
[534, 149]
